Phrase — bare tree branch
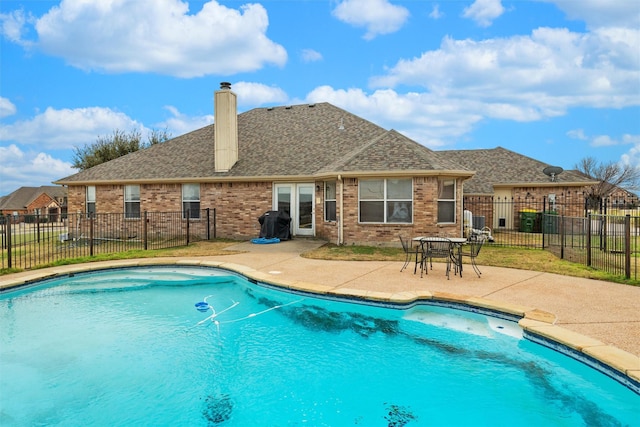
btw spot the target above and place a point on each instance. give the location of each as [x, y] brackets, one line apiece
[612, 176]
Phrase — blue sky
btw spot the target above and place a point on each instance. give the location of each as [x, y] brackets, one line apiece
[555, 80]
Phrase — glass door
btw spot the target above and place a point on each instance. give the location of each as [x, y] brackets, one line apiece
[283, 198]
[297, 201]
[304, 219]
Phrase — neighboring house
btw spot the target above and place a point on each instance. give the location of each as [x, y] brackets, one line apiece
[623, 199]
[339, 176]
[48, 202]
[507, 183]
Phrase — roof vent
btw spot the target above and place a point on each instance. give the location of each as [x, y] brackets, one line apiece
[312, 105]
[269, 108]
[341, 127]
[288, 107]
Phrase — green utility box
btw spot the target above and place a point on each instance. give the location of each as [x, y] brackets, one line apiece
[550, 222]
[527, 220]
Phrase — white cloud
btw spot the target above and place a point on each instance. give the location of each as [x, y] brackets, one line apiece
[65, 128]
[577, 134]
[159, 36]
[608, 141]
[13, 26]
[6, 107]
[248, 94]
[258, 94]
[310, 55]
[426, 118]
[527, 78]
[377, 16]
[630, 139]
[632, 157]
[483, 12]
[602, 13]
[30, 169]
[179, 123]
[603, 141]
[435, 12]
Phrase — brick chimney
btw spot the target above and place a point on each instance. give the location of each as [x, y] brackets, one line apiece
[226, 127]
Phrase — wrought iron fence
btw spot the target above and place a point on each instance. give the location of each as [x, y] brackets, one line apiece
[608, 240]
[29, 241]
[605, 242]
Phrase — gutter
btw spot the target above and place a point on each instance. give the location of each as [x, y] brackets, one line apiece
[341, 215]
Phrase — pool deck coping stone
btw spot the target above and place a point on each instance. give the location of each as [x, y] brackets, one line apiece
[532, 319]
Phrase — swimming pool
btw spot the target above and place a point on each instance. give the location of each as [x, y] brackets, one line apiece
[130, 347]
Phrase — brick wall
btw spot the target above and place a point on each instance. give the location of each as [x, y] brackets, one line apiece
[41, 202]
[239, 205]
[425, 216]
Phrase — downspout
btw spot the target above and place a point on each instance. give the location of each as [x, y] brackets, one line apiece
[341, 215]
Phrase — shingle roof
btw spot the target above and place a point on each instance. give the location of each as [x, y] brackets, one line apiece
[296, 141]
[23, 196]
[499, 166]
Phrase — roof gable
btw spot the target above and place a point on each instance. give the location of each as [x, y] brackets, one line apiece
[24, 196]
[392, 151]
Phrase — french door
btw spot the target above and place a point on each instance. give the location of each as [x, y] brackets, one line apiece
[297, 201]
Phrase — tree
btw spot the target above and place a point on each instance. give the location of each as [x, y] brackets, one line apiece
[113, 146]
[611, 176]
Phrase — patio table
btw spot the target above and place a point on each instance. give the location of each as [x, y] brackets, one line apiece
[457, 242]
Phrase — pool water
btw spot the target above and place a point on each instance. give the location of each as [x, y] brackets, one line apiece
[128, 347]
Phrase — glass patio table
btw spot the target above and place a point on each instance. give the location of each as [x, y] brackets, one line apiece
[456, 255]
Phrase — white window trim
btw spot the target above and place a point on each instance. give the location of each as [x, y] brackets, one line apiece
[89, 201]
[132, 201]
[184, 214]
[454, 200]
[384, 201]
[334, 200]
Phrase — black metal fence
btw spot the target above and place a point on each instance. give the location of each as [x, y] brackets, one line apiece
[608, 240]
[29, 241]
[605, 242]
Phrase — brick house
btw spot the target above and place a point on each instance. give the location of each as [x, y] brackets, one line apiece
[340, 177]
[46, 201]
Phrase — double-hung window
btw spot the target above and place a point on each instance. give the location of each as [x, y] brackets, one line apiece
[191, 201]
[386, 200]
[91, 201]
[132, 201]
[446, 200]
[330, 201]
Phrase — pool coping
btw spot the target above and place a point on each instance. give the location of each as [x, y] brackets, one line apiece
[537, 325]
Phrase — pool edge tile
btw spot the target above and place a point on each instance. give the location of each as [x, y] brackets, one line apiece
[349, 292]
[560, 335]
[541, 316]
[504, 307]
[306, 287]
[449, 297]
[616, 358]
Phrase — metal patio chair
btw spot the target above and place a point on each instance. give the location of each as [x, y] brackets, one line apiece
[475, 245]
[441, 248]
[409, 251]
